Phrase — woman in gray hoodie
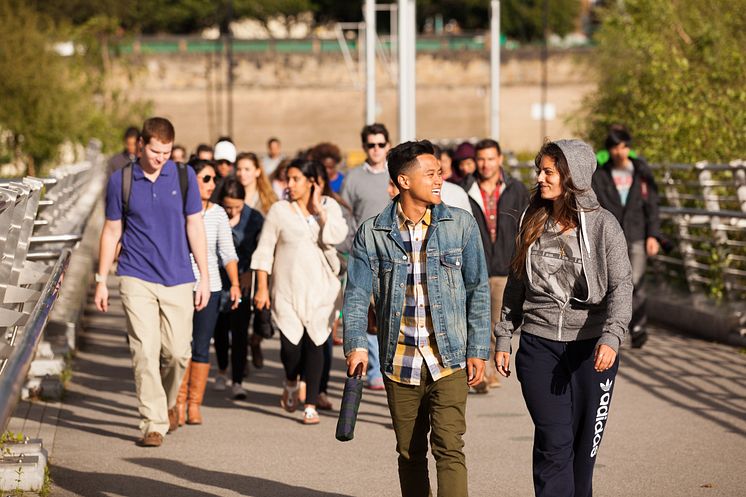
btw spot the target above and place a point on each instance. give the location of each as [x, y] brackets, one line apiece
[570, 295]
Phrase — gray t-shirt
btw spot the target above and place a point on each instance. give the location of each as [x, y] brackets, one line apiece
[556, 265]
[366, 193]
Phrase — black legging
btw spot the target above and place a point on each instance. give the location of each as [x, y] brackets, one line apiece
[306, 357]
[232, 332]
[328, 352]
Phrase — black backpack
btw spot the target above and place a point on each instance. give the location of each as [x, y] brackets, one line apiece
[127, 173]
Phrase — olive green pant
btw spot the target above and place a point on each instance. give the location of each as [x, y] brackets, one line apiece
[438, 408]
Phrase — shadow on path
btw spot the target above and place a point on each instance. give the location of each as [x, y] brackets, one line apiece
[242, 484]
[674, 368]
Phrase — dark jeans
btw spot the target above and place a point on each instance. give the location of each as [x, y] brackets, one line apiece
[232, 333]
[306, 358]
[438, 408]
[203, 324]
[569, 403]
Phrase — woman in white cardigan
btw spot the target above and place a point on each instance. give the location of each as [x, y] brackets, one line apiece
[297, 246]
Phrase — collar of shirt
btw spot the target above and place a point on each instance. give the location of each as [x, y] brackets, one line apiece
[370, 169]
[138, 173]
[404, 220]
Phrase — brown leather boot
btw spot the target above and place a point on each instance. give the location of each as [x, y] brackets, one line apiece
[181, 398]
[197, 381]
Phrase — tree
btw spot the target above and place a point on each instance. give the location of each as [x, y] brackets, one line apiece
[523, 20]
[48, 99]
[673, 72]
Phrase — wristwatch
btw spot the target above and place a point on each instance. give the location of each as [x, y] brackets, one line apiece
[99, 278]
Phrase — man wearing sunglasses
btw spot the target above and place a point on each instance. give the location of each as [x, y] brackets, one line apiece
[365, 189]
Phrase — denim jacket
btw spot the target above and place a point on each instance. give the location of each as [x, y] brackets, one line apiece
[457, 285]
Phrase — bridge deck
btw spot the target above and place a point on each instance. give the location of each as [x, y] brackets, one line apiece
[677, 427]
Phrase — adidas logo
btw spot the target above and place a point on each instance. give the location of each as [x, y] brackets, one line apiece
[602, 413]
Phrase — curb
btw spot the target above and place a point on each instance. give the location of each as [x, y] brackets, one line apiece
[698, 316]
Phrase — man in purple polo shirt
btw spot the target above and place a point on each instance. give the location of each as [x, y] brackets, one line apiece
[156, 278]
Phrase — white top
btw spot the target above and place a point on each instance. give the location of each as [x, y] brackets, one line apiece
[304, 287]
[219, 244]
[455, 196]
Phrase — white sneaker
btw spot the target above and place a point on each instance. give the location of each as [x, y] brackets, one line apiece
[238, 392]
[310, 416]
[221, 383]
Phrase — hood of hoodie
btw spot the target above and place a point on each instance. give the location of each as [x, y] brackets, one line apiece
[582, 161]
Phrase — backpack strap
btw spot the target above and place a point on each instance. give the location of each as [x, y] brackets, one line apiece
[127, 173]
[183, 183]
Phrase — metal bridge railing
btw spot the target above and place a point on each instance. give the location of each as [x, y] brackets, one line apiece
[40, 221]
[703, 217]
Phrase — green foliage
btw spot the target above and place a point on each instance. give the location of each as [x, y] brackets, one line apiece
[523, 20]
[47, 99]
[673, 72]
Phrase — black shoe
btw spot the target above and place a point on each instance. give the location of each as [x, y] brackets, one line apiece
[638, 339]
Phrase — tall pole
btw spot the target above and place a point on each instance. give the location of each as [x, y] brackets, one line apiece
[407, 60]
[495, 70]
[229, 56]
[544, 72]
[370, 61]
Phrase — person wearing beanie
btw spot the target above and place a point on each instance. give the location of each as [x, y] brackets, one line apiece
[464, 160]
[570, 295]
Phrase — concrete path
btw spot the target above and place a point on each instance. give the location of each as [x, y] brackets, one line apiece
[677, 428]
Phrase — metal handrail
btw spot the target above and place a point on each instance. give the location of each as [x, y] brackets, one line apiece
[13, 371]
[30, 281]
[699, 210]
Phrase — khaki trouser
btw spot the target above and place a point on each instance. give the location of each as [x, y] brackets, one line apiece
[159, 324]
[437, 408]
[497, 288]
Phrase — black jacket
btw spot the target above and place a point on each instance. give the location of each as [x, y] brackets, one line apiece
[639, 216]
[513, 201]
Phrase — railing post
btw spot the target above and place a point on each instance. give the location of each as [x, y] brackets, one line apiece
[682, 229]
[739, 178]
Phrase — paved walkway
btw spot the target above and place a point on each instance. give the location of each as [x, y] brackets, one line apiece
[677, 428]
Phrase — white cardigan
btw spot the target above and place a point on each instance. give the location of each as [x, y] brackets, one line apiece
[303, 286]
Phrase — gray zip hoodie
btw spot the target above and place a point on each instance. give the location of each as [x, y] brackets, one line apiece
[607, 308]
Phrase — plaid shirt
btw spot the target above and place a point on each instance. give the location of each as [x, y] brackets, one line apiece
[414, 345]
[490, 201]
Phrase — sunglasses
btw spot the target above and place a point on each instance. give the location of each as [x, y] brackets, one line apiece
[207, 179]
[371, 146]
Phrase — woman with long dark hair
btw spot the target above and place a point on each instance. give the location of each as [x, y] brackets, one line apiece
[232, 328]
[297, 246]
[570, 294]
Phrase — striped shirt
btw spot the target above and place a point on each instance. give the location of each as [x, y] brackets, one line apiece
[220, 248]
[414, 344]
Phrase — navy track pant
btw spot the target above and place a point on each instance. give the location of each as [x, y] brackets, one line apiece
[569, 404]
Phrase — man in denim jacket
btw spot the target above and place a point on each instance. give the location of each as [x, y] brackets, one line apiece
[424, 264]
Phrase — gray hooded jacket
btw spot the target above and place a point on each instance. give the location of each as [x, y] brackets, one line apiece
[607, 308]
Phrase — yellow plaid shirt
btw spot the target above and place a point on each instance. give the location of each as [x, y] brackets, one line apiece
[414, 346]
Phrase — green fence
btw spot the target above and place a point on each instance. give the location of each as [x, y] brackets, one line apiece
[307, 45]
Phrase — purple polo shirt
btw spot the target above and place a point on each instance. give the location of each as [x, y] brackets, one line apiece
[154, 243]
